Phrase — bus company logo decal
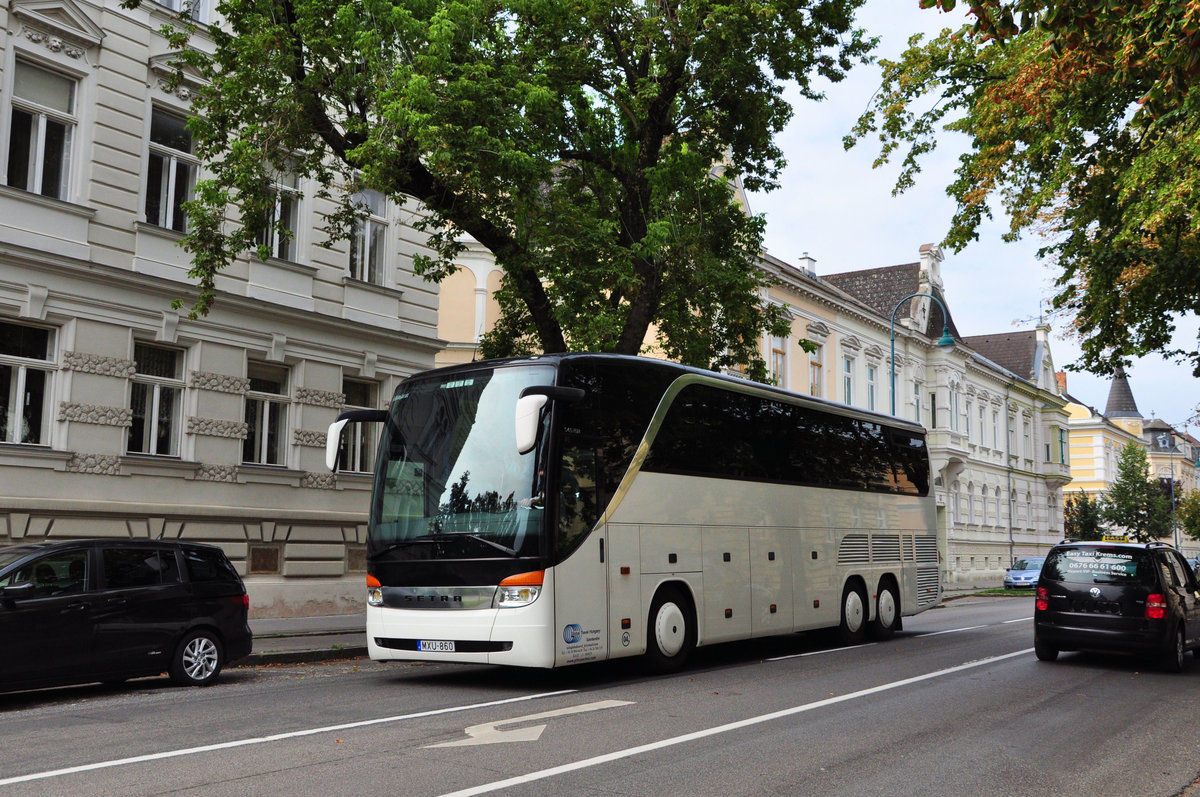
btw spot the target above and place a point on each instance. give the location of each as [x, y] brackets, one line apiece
[572, 633]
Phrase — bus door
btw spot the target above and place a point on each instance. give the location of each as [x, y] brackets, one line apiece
[581, 619]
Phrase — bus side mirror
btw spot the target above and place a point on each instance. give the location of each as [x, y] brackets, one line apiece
[529, 411]
[333, 439]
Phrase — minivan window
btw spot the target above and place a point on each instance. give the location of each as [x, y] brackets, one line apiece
[138, 567]
[1099, 566]
[61, 573]
[205, 565]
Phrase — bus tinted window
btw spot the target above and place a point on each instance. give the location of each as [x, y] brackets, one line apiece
[600, 435]
[724, 434]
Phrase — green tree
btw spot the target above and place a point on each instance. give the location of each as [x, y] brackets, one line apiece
[1135, 502]
[1084, 125]
[1082, 519]
[592, 146]
[1188, 513]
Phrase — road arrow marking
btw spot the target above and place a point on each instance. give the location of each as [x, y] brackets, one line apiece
[489, 733]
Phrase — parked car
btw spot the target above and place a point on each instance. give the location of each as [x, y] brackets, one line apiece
[1024, 573]
[108, 610]
[1124, 597]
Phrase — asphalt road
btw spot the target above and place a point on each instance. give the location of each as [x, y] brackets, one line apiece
[954, 705]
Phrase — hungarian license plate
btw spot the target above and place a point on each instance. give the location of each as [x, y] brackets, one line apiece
[436, 645]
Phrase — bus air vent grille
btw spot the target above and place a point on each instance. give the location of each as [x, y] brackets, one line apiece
[885, 548]
[855, 550]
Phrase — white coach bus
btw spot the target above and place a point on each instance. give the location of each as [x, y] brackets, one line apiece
[571, 508]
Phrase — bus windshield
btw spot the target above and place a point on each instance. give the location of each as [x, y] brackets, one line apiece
[450, 481]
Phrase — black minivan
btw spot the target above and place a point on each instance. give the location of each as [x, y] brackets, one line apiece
[80, 611]
[1124, 597]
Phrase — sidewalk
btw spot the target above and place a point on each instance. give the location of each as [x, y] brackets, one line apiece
[289, 640]
[292, 640]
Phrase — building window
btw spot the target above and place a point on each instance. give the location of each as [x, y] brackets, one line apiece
[847, 380]
[779, 360]
[172, 171]
[26, 355]
[1062, 445]
[917, 387]
[872, 384]
[933, 409]
[996, 429]
[814, 372]
[156, 401]
[193, 8]
[967, 419]
[41, 130]
[1028, 434]
[358, 439]
[368, 237]
[953, 408]
[266, 415]
[279, 237]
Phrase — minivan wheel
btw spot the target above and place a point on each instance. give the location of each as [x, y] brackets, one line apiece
[1173, 659]
[197, 660]
[1043, 651]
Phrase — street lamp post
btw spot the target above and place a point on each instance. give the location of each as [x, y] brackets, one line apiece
[1163, 441]
[945, 340]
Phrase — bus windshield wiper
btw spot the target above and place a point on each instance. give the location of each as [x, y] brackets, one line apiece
[454, 535]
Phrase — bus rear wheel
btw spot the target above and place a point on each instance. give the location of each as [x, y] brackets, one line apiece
[671, 635]
[887, 611]
[853, 628]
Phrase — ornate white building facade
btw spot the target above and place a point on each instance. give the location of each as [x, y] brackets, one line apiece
[122, 417]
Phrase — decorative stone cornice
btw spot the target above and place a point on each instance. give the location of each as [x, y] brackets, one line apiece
[216, 473]
[321, 398]
[319, 481]
[310, 438]
[100, 464]
[86, 363]
[216, 427]
[220, 383]
[93, 413]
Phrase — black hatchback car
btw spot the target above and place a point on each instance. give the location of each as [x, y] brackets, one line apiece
[1123, 597]
[107, 610]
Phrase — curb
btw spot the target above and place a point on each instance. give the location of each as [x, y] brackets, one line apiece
[257, 658]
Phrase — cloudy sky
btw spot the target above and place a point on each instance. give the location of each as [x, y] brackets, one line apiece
[839, 210]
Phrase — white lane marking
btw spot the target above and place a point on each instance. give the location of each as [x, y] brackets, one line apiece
[1018, 620]
[489, 733]
[732, 726]
[819, 652]
[277, 737]
[953, 630]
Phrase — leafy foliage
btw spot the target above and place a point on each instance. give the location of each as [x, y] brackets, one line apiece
[1189, 514]
[1084, 122]
[574, 139]
[1082, 519]
[1135, 502]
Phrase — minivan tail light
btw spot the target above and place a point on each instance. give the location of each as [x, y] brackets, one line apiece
[241, 601]
[1043, 599]
[1156, 606]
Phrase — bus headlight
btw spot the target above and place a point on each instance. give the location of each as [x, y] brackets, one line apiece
[374, 591]
[519, 590]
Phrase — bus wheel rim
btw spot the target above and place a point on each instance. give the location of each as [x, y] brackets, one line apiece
[670, 629]
[854, 610]
[887, 608]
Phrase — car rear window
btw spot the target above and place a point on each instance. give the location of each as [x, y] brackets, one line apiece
[1099, 566]
[207, 566]
[1027, 564]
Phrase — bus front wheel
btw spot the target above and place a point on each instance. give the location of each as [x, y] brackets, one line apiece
[672, 632]
[853, 628]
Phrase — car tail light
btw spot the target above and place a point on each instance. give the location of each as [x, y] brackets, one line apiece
[1156, 606]
[241, 601]
[1043, 599]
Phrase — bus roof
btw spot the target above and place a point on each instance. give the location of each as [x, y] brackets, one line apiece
[737, 383]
